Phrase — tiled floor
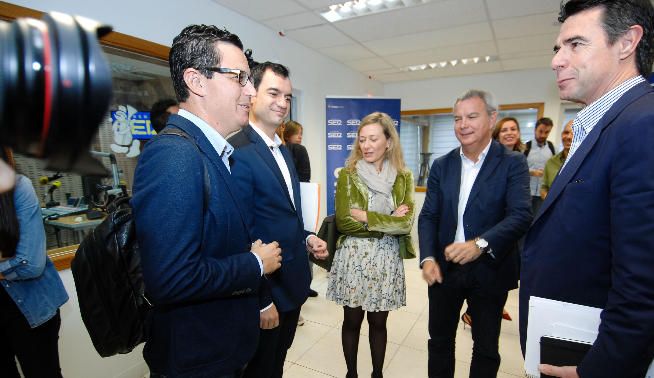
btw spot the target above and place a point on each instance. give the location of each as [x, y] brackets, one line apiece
[317, 352]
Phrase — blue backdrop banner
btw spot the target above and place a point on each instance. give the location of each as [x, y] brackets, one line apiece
[343, 118]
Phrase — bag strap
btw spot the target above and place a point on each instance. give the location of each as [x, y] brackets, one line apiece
[207, 185]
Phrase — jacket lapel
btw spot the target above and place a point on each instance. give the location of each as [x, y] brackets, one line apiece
[267, 156]
[572, 166]
[212, 156]
[453, 183]
[488, 167]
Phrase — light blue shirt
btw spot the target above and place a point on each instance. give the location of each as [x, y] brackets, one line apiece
[220, 144]
[30, 278]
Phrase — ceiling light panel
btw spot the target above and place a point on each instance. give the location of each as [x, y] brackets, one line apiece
[357, 8]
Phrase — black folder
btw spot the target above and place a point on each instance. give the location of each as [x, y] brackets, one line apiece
[561, 352]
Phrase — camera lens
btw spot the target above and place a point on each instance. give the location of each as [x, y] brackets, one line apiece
[55, 87]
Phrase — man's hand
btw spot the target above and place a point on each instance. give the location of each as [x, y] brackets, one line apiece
[359, 215]
[401, 211]
[559, 371]
[317, 247]
[462, 253]
[269, 318]
[270, 255]
[431, 272]
[536, 172]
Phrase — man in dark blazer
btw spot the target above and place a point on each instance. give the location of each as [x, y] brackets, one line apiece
[200, 269]
[269, 192]
[476, 208]
[592, 242]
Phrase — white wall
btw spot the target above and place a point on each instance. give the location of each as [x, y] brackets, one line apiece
[508, 88]
[313, 74]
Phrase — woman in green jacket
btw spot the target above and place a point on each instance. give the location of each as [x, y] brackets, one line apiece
[374, 212]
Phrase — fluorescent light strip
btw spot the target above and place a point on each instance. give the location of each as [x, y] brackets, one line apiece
[450, 63]
[357, 8]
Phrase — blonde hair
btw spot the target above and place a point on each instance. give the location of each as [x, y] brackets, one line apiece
[394, 152]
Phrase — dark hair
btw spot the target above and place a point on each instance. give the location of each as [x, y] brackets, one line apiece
[544, 121]
[159, 113]
[291, 128]
[617, 18]
[9, 229]
[260, 69]
[195, 47]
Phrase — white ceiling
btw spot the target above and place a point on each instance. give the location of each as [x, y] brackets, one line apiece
[520, 33]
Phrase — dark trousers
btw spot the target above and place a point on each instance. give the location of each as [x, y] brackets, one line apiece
[37, 349]
[236, 374]
[485, 308]
[268, 361]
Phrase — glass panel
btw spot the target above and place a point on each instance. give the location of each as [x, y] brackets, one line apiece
[138, 82]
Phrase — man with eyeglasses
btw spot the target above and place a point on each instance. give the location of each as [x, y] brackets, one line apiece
[201, 268]
[270, 192]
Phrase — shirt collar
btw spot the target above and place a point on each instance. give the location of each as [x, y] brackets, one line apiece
[482, 156]
[272, 143]
[222, 147]
[589, 116]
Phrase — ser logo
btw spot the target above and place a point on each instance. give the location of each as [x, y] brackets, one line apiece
[334, 147]
[352, 134]
[350, 147]
[353, 122]
[334, 134]
[334, 122]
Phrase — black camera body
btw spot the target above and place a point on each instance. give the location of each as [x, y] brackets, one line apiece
[55, 88]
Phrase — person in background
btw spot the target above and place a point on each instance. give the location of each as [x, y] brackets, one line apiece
[32, 290]
[160, 111]
[292, 133]
[555, 163]
[476, 209]
[538, 151]
[507, 132]
[374, 212]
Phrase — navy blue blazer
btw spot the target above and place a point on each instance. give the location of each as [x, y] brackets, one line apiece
[270, 216]
[197, 267]
[592, 242]
[498, 210]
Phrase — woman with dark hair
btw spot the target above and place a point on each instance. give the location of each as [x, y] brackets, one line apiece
[374, 212]
[32, 291]
[507, 132]
[292, 137]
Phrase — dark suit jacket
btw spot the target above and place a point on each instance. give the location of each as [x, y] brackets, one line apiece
[498, 210]
[270, 216]
[592, 242]
[301, 161]
[197, 267]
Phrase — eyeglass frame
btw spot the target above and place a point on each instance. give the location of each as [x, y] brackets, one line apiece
[239, 73]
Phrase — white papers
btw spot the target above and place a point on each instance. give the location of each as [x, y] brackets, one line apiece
[310, 197]
[563, 320]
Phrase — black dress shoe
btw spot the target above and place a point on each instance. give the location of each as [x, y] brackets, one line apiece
[313, 293]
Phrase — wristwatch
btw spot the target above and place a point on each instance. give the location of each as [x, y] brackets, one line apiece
[482, 244]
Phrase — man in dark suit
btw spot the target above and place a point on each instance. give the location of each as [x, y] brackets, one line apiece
[270, 194]
[199, 267]
[592, 243]
[476, 208]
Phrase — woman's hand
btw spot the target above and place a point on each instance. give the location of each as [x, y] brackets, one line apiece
[401, 211]
[359, 215]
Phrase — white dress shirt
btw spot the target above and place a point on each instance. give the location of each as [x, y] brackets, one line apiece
[469, 172]
[279, 158]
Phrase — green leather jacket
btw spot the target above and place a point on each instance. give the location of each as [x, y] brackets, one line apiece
[352, 193]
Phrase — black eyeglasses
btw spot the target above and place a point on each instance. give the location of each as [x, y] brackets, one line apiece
[241, 75]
